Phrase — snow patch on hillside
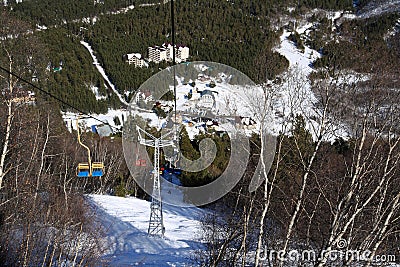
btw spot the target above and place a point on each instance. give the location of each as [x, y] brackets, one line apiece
[378, 8]
[392, 32]
[123, 10]
[96, 93]
[295, 56]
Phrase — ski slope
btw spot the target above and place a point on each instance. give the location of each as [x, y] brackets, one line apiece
[127, 243]
[102, 72]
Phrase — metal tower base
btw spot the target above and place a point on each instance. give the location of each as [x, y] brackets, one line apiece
[156, 225]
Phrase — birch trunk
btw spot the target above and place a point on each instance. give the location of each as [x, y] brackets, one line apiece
[9, 105]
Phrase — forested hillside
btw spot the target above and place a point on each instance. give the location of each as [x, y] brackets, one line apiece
[364, 46]
[240, 34]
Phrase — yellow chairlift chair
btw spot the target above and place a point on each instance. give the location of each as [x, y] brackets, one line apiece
[88, 169]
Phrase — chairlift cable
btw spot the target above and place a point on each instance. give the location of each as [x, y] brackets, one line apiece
[174, 78]
[173, 52]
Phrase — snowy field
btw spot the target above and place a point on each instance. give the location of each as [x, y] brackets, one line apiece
[126, 222]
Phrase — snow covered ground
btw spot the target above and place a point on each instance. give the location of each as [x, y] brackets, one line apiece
[95, 91]
[97, 119]
[126, 222]
[377, 8]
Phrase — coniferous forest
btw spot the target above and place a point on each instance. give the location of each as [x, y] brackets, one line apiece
[215, 31]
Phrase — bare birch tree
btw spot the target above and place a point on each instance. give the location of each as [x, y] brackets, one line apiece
[372, 173]
[20, 54]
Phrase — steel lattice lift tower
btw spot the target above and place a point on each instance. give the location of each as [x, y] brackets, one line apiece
[156, 224]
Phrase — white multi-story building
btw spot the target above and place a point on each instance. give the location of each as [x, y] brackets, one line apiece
[164, 52]
[182, 53]
[136, 59]
[158, 54]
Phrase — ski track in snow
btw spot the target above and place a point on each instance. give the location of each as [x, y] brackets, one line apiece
[301, 62]
[127, 243]
[102, 72]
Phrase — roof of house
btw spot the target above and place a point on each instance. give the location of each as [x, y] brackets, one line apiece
[104, 130]
[137, 55]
